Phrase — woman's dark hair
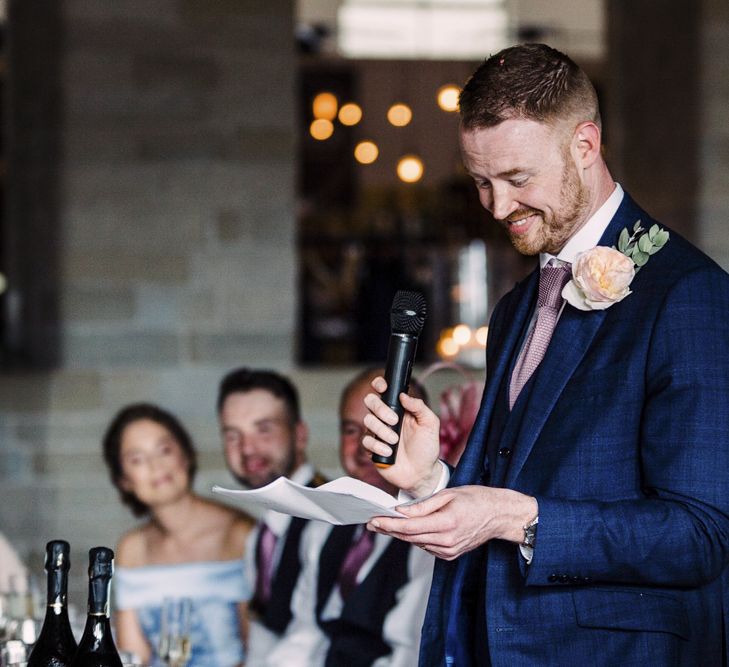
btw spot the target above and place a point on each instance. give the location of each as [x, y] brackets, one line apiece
[113, 440]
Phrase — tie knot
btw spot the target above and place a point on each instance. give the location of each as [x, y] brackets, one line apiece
[551, 281]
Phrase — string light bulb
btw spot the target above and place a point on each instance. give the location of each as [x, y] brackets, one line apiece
[350, 114]
[448, 97]
[321, 129]
[410, 169]
[399, 115]
[366, 152]
[325, 106]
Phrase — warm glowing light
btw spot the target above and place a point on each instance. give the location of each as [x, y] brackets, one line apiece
[321, 129]
[350, 114]
[462, 334]
[481, 335]
[410, 169]
[366, 152]
[447, 347]
[3, 283]
[448, 97]
[399, 115]
[325, 106]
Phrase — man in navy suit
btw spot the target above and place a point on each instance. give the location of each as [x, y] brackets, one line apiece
[587, 522]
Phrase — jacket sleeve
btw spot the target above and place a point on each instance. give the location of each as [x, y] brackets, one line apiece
[677, 531]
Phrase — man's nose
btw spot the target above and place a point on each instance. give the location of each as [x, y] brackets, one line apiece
[503, 203]
[246, 444]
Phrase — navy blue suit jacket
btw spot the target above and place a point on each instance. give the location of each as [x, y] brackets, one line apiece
[624, 442]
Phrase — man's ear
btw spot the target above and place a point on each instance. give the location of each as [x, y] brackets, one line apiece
[301, 435]
[586, 144]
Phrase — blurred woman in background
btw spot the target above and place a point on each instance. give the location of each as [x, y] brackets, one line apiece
[189, 547]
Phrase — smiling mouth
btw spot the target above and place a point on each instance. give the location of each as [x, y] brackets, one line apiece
[522, 223]
[256, 465]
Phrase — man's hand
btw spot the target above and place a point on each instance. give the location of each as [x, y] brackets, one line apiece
[416, 469]
[455, 521]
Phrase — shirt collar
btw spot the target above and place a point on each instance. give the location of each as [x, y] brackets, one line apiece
[303, 474]
[590, 233]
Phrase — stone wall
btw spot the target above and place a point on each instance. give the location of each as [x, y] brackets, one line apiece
[152, 161]
[667, 112]
[713, 193]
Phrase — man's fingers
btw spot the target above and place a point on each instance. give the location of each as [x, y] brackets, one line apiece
[380, 430]
[426, 506]
[378, 408]
[410, 528]
[379, 384]
[373, 445]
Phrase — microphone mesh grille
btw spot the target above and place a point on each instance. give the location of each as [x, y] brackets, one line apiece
[408, 312]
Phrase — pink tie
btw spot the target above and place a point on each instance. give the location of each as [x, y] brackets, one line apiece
[266, 545]
[358, 553]
[551, 281]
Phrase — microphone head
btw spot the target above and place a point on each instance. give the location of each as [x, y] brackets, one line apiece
[408, 313]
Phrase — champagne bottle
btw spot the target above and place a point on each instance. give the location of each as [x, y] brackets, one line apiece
[56, 645]
[96, 648]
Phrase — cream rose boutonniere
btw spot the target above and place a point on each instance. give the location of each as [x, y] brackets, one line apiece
[601, 276]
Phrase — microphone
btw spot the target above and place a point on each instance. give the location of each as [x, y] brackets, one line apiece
[407, 317]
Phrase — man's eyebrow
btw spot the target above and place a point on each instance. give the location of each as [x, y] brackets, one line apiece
[504, 174]
[511, 172]
[268, 420]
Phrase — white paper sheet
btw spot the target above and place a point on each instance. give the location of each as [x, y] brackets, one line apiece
[342, 501]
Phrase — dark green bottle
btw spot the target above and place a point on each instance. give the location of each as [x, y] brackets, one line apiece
[96, 648]
[56, 645]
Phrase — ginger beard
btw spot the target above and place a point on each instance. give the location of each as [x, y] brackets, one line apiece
[555, 229]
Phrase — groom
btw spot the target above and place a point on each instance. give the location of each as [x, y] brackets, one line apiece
[588, 519]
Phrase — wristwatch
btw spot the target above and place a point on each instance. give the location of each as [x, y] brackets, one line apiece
[530, 534]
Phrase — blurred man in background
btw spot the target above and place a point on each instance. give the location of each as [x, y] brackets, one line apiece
[361, 597]
[265, 438]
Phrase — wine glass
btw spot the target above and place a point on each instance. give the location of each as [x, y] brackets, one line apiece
[174, 638]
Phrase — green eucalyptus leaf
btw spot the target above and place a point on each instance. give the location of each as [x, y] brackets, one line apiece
[654, 249]
[623, 240]
[636, 226]
[661, 238]
[644, 243]
[640, 258]
[653, 231]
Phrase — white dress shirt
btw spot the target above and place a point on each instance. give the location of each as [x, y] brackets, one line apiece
[261, 641]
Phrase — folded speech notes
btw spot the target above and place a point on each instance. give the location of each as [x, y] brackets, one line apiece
[342, 501]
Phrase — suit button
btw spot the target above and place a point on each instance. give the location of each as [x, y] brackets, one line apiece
[565, 578]
[504, 451]
[552, 578]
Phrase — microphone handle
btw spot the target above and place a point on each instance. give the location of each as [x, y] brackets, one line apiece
[400, 357]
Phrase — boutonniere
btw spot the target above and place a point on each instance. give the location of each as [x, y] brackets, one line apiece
[601, 276]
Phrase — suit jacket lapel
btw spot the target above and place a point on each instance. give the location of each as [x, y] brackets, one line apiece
[570, 341]
[513, 321]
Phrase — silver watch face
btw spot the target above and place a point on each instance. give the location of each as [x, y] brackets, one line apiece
[530, 534]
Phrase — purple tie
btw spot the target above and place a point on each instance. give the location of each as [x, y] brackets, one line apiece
[551, 281]
[266, 545]
[358, 553]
